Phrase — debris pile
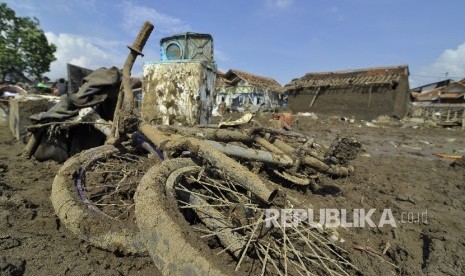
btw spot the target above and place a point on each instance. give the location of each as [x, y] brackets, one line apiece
[444, 115]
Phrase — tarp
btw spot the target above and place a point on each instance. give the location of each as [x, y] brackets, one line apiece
[99, 85]
[75, 76]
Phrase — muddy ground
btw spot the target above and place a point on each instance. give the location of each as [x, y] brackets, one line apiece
[397, 171]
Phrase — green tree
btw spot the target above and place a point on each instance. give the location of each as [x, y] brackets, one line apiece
[24, 48]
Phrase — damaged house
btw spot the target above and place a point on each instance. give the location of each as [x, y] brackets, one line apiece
[361, 93]
[240, 90]
[449, 93]
[431, 86]
[443, 103]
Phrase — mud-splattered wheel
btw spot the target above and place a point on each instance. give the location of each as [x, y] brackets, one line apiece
[92, 194]
[196, 221]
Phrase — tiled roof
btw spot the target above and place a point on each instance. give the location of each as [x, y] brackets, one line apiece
[220, 80]
[264, 83]
[441, 92]
[360, 77]
[427, 96]
[452, 95]
[458, 86]
[431, 86]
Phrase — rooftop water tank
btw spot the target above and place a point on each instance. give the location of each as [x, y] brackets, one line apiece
[187, 46]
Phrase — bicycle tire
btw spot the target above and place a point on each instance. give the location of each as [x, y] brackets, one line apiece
[101, 231]
[161, 231]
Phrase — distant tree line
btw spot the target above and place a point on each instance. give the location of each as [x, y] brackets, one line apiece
[24, 49]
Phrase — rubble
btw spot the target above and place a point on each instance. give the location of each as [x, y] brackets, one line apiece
[20, 110]
[285, 120]
[436, 115]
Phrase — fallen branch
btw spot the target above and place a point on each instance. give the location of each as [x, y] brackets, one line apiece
[64, 125]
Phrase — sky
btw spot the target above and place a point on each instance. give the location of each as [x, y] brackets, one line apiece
[281, 39]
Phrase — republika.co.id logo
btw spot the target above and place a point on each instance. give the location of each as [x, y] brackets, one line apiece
[331, 218]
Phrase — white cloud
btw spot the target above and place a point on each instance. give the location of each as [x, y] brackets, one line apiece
[83, 51]
[451, 61]
[134, 16]
[279, 4]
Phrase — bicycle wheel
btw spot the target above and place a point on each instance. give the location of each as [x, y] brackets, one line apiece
[92, 194]
[194, 220]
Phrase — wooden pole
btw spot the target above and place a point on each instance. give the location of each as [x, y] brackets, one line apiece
[463, 120]
[369, 95]
[314, 97]
[125, 104]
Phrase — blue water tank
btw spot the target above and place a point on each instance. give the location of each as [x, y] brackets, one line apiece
[187, 46]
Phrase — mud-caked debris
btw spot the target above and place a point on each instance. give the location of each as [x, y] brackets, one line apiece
[343, 150]
[11, 266]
